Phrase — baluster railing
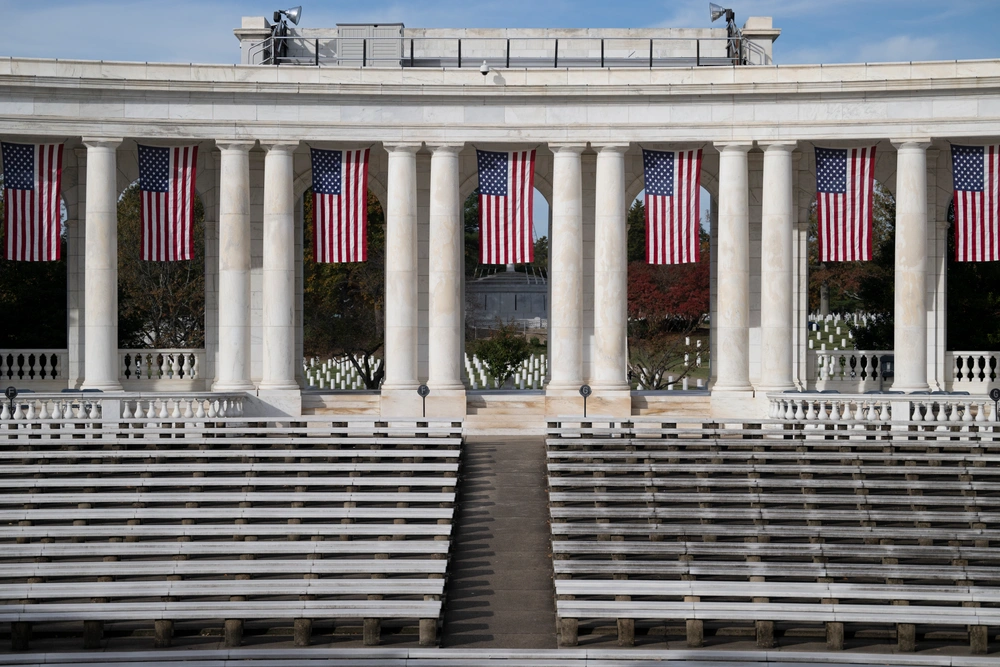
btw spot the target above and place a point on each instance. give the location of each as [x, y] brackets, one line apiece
[22, 367]
[161, 365]
[90, 407]
[975, 372]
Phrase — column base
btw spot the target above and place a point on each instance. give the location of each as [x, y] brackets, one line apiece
[910, 390]
[777, 389]
[103, 386]
[274, 403]
[449, 402]
[220, 387]
[402, 402]
[279, 386]
[738, 404]
[615, 401]
[567, 402]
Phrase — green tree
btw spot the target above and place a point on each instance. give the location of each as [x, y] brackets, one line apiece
[636, 224]
[344, 304]
[160, 304]
[503, 352]
[470, 215]
[32, 301]
[541, 253]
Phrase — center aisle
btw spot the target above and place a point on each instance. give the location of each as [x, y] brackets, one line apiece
[499, 592]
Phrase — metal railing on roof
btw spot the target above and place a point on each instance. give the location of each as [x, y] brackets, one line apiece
[506, 53]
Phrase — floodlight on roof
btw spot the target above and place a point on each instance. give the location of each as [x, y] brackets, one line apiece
[717, 12]
[293, 14]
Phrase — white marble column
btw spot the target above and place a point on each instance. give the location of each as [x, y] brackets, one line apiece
[776, 269]
[447, 239]
[401, 269]
[732, 358]
[233, 358]
[566, 273]
[610, 271]
[279, 269]
[100, 366]
[910, 321]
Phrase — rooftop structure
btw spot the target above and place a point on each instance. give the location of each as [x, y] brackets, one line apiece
[393, 45]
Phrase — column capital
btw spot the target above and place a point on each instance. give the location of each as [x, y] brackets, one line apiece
[567, 146]
[733, 146]
[402, 146]
[918, 143]
[280, 146]
[443, 147]
[610, 147]
[102, 142]
[234, 144]
[778, 145]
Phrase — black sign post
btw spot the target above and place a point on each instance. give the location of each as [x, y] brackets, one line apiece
[585, 391]
[995, 397]
[423, 390]
[11, 393]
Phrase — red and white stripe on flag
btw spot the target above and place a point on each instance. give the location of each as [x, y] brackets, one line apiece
[506, 199]
[340, 205]
[32, 210]
[167, 190]
[845, 183]
[976, 173]
[673, 200]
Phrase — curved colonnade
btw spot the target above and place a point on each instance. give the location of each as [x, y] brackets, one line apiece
[757, 126]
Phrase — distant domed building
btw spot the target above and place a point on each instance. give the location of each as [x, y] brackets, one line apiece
[513, 295]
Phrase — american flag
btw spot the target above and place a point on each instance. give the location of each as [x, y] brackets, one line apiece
[340, 205]
[166, 184]
[845, 181]
[977, 213]
[32, 177]
[506, 195]
[673, 194]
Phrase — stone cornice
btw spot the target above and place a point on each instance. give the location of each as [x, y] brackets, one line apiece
[957, 129]
[800, 80]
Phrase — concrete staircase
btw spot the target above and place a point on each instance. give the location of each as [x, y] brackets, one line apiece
[499, 592]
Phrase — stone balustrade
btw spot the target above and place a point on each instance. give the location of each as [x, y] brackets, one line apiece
[972, 371]
[855, 371]
[859, 409]
[160, 364]
[33, 365]
[74, 407]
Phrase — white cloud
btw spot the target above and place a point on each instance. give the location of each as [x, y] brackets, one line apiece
[901, 48]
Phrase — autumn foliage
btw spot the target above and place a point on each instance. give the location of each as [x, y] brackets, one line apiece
[677, 296]
[664, 297]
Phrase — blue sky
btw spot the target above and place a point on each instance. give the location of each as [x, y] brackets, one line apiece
[814, 31]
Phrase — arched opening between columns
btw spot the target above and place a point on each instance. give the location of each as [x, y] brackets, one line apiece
[669, 306]
[33, 309]
[972, 319]
[161, 305]
[506, 306]
[343, 304]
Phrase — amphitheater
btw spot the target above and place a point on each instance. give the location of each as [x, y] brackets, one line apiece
[217, 507]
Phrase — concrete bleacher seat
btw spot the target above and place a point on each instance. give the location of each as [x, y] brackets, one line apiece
[225, 521]
[656, 522]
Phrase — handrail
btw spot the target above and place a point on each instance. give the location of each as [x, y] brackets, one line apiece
[504, 52]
